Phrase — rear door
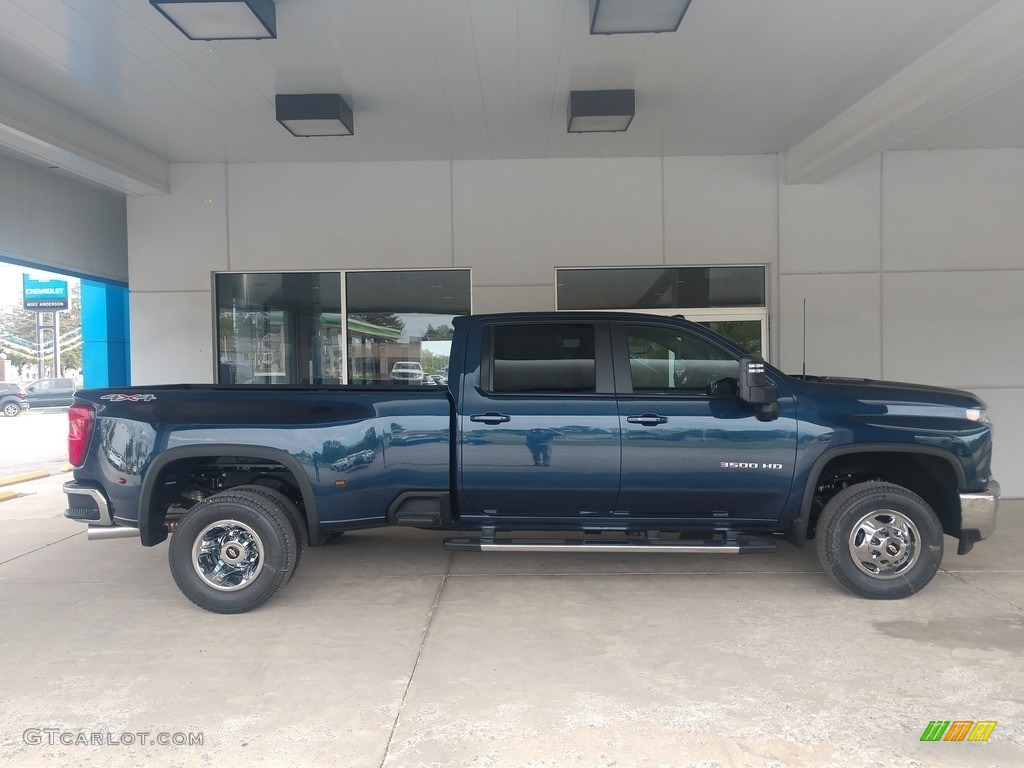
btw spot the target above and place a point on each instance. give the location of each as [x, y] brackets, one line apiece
[690, 447]
[539, 434]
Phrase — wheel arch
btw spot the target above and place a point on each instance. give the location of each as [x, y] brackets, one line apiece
[151, 515]
[932, 473]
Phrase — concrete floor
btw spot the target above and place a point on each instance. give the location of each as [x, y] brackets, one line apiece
[384, 650]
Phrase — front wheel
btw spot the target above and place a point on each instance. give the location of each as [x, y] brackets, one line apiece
[880, 541]
[232, 552]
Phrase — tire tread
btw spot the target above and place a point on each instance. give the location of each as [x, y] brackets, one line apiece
[832, 547]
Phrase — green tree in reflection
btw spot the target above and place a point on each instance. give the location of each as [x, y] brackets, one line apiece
[440, 333]
[383, 319]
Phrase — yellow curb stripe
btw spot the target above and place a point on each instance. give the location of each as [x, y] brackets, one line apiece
[8, 495]
[24, 478]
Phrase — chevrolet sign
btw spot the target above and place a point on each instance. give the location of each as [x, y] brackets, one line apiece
[44, 295]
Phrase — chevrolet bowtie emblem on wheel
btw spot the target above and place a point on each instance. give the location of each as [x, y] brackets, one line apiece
[128, 398]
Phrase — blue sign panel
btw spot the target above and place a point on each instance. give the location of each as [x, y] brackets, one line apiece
[44, 295]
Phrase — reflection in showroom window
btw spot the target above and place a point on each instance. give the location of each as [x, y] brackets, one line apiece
[279, 328]
[730, 300]
[399, 324]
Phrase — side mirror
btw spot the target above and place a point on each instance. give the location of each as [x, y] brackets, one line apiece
[756, 389]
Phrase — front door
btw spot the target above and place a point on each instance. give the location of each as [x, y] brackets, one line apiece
[690, 447]
[540, 434]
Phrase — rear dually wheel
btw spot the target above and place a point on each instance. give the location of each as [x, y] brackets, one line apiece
[232, 552]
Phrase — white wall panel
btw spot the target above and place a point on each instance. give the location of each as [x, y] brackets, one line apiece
[834, 226]
[178, 240]
[513, 298]
[721, 210]
[172, 337]
[1006, 409]
[960, 329]
[515, 221]
[955, 209]
[57, 222]
[340, 215]
[844, 325]
[878, 251]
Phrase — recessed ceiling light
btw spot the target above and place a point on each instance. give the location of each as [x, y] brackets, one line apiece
[221, 19]
[625, 17]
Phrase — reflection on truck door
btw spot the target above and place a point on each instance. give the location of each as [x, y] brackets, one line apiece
[540, 435]
[690, 447]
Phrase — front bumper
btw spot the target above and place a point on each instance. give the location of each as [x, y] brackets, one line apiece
[978, 516]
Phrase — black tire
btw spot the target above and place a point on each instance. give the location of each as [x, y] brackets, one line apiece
[11, 409]
[250, 552]
[898, 559]
[289, 509]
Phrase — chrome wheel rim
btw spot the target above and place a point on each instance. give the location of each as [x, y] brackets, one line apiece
[11, 410]
[885, 544]
[228, 555]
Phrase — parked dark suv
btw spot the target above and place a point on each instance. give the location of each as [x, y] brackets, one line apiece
[50, 393]
[12, 399]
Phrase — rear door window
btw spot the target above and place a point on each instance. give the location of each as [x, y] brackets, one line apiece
[543, 358]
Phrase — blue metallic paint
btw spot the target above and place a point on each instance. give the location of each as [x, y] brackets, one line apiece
[384, 441]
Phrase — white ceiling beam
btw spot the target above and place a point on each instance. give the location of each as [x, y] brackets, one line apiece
[36, 129]
[983, 57]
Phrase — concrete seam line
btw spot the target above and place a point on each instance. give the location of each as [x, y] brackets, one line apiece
[15, 479]
[415, 665]
[50, 544]
[974, 586]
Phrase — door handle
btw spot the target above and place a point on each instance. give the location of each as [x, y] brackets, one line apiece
[490, 418]
[647, 419]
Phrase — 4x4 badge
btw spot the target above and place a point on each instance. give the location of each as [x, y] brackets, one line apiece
[128, 398]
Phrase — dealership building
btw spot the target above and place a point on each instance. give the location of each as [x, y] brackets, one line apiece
[841, 192]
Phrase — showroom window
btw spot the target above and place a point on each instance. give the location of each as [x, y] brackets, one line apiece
[400, 324]
[385, 327]
[279, 328]
[728, 300]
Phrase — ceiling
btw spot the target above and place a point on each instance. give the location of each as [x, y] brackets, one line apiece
[109, 90]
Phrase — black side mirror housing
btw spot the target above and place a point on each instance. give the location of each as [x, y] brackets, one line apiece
[756, 389]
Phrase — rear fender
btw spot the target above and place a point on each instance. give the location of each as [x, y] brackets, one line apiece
[151, 516]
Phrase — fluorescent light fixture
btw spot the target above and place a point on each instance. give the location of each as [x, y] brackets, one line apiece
[626, 17]
[314, 114]
[601, 111]
[221, 19]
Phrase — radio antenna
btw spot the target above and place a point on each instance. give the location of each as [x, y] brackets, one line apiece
[804, 353]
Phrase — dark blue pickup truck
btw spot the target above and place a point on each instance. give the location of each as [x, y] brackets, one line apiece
[627, 432]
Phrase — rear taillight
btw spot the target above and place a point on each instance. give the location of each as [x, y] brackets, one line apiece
[80, 421]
